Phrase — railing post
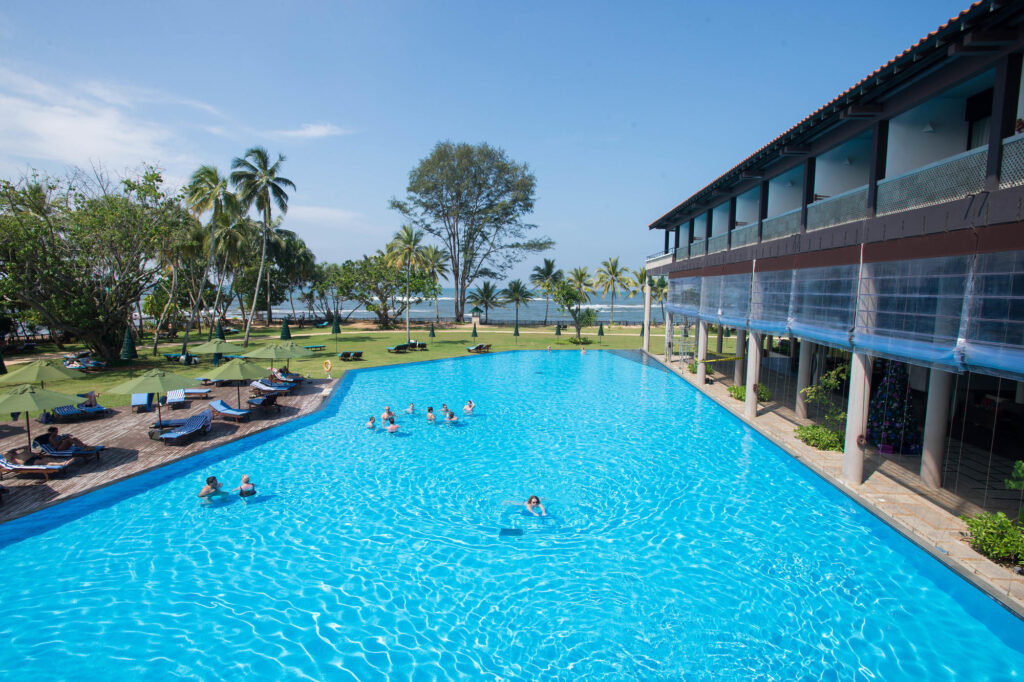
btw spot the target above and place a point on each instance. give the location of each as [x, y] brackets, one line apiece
[1004, 111]
[732, 223]
[876, 171]
[666, 242]
[762, 210]
[808, 192]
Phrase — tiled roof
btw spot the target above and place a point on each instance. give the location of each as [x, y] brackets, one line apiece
[934, 40]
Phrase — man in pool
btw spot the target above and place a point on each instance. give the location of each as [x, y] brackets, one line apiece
[386, 414]
[392, 426]
[411, 409]
[468, 409]
[430, 415]
[211, 489]
[449, 416]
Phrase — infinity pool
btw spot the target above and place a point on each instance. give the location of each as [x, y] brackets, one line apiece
[680, 545]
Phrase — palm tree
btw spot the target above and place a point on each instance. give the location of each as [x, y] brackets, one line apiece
[517, 294]
[435, 265]
[611, 278]
[659, 290]
[545, 277]
[485, 295]
[233, 235]
[405, 251]
[579, 279]
[257, 182]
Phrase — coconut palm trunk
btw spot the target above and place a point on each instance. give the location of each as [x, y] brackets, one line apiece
[259, 277]
[163, 313]
[408, 276]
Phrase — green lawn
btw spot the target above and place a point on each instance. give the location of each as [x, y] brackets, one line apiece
[447, 343]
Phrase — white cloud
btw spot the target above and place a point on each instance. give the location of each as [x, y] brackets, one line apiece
[336, 234]
[309, 131]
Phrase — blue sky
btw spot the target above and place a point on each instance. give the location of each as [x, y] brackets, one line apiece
[622, 110]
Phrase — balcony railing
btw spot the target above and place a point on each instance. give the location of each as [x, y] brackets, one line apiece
[947, 180]
[719, 242]
[659, 258]
[1012, 172]
[697, 248]
[781, 225]
[842, 208]
[683, 252]
[741, 236]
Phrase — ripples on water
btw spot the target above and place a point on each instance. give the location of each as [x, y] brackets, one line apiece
[679, 546]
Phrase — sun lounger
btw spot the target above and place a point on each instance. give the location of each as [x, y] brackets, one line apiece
[194, 425]
[315, 347]
[265, 402]
[262, 387]
[47, 470]
[69, 412]
[478, 348]
[175, 399]
[197, 393]
[417, 345]
[228, 412]
[287, 377]
[357, 355]
[400, 348]
[170, 423]
[345, 355]
[142, 402]
[84, 453]
[325, 323]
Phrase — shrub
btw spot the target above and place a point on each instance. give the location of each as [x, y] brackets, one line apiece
[582, 341]
[820, 437]
[996, 536]
[740, 393]
[692, 367]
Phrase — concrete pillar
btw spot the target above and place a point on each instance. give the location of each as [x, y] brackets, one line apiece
[753, 374]
[647, 317]
[738, 366]
[856, 418]
[803, 376]
[702, 352]
[933, 449]
[719, 339]
[668, 337]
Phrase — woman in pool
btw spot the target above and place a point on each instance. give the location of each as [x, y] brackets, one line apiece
[247, 489]
[410, 410]
[430, 415]
[392, 426]
[468, 409]
[372, 424]
[531, 504]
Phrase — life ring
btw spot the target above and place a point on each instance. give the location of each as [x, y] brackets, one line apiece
[327, 365]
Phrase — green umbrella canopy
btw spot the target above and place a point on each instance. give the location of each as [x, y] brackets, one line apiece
[238, 369]
[279, 350]
[154, 381]
[474, 334]
[286, 333]
[37, 372]
[31, 399]
[128, 351]
[431, 335]
[217, 346]
[336, 327]
[475, 311]
[3, 367]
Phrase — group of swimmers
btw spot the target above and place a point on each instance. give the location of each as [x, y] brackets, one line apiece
[215, 489]
[387, 418]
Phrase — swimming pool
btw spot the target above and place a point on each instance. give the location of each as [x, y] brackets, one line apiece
[680, 544]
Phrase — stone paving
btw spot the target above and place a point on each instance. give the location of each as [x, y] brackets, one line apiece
[930, 518]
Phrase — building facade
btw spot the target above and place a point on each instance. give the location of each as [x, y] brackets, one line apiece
[888, 226]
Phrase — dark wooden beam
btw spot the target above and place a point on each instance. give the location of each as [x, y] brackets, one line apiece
[1004, 111]
[808, 192]
[762, 209]
[861, 111]
[991, 36]
[751, 175]
[796, 150]
[732, 222]
[876, 171]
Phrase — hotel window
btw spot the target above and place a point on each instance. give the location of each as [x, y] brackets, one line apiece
[979, 115]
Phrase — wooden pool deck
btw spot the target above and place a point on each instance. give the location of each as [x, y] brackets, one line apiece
[129, 449]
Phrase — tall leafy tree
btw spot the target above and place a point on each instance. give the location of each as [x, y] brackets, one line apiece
[259, 183]
[474, 199]
[659, 292]
[579, 279]
[611, 278]
[545, 277]
[571, 300]
[517, 294]
[487, 296]
[435, 266]
[379, 286]
[405, 251]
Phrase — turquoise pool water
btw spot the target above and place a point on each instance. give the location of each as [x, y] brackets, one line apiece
[680, 545]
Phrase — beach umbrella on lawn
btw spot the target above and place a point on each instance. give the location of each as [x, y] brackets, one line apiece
[515, 332]
[279, 350]
[217, 347]
[558, 328]
[218, 334]
[39, 372]
[600, 330]
[431, 336]
[238, 369]
[155, 381]
[336, 329]
[128, 351]
[3, 367]
[31, 399]
[474, 334]
[286, 333]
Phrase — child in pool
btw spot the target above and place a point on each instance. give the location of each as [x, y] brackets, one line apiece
[430, 415]
[371, 424]
[247, 489]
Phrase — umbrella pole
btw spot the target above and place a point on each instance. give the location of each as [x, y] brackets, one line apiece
[28, 431]
[238, 395]
[159, 414]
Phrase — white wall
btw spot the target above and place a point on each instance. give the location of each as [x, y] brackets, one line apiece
[843, 168]
[700, 227]
[748, 206]
[785, 192]
[720, 219]
[910, 147]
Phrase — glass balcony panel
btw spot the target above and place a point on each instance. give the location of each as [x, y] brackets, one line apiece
[697, 248]
[839, 209]
[720, 242]
[742, 236]
[781, 225]
[947, 180]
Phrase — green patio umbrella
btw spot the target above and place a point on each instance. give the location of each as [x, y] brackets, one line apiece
[39, 372]
[3, 367]
[286, 333]
[128, 351]
[31, 399]
[558, 329]
[279, 350]
[515, 332]
[218, 346]
[600, 330]
[474, 334]
[218, 334]
[431, 336]
[336, 329]
[155, 381]
[238, 369]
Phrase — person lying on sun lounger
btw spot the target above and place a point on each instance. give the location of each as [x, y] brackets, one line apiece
[59, 442]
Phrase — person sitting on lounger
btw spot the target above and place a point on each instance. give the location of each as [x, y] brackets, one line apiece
[247, 489]
[430, 415]
[90, 399]
[411, 409]
[211, 489]
[372, 424]
[468, 409]
[392, 426]
[59, 442]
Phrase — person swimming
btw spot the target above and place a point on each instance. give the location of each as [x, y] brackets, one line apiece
[211, 489]
[386, 414]
[468, 409]
[410, 409]
[531, 504]
[392, 426]
[449, 416]
[372, 424]
[247, 489]
[431, 417]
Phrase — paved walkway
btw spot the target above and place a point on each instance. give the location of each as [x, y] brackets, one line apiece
[891, 492]
[130, 451]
